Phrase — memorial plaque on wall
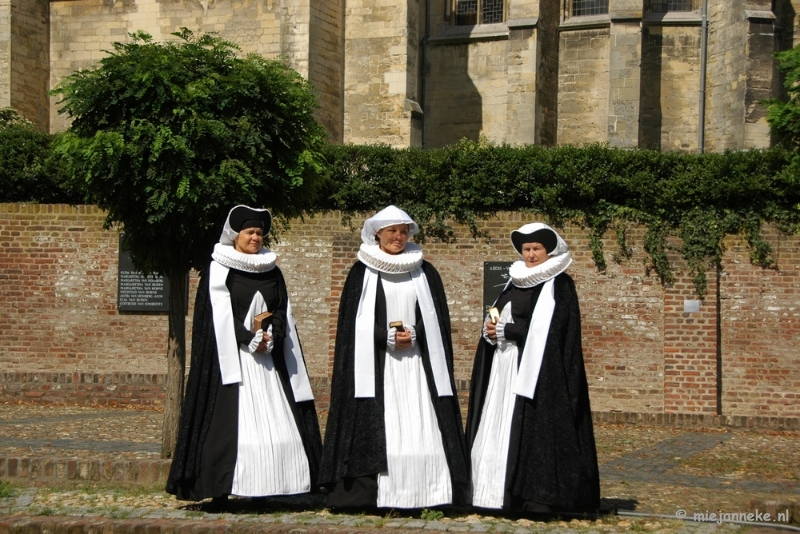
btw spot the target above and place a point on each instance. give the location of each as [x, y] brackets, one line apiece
[495, 276]
[137, 292]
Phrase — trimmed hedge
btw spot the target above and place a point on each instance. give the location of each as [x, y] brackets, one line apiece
[698, 198]
[29, 172]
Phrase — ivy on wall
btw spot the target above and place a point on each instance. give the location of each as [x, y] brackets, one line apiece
[698, 199]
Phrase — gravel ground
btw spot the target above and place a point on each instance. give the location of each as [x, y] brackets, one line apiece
[652, 470]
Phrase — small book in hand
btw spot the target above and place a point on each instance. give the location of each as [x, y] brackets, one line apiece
[398, 325]
[262, 321]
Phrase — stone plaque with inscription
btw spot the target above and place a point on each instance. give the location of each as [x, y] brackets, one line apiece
[137, 292]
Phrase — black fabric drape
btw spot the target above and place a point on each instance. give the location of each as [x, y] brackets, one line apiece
[552, 458]
[355, 436]
[188, 477]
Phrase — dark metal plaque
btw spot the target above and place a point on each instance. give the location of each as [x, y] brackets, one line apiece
[495, 277]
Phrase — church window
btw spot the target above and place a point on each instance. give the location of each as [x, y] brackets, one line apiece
[665, 6]
[471, 12]
[582, 8]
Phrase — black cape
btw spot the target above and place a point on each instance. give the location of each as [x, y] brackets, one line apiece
[355, 437]
[210, 409]
[552, 459]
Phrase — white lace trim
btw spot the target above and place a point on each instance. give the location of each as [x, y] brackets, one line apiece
[262, 261]
[522, 276]
[406, 261]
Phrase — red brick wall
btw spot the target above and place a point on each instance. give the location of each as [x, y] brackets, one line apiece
[760, 311]
[58, 290]
[644, 354]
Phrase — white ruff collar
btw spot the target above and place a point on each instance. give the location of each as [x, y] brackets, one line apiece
[406, 261]
[522, 276]
[260, 262]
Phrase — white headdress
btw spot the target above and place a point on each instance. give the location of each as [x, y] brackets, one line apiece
[386, 217]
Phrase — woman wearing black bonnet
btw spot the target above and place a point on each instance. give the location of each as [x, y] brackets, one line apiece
[529, 426]
[248, 425]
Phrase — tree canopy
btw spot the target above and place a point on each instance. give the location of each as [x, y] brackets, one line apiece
[783, 115]
[167, 137]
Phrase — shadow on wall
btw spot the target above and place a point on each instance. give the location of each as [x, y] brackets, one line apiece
[784, 40]
[651, 114]
[453, 105]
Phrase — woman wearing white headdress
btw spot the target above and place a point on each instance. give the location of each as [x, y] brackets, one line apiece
[394, 437]
[529, 426]
[248, 425]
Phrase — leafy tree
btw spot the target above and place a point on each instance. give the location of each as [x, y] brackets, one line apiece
[783, 116]
[167, 137]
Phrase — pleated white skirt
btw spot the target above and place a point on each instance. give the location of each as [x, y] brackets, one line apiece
[417, 475]
[489, 453]
[270, 458]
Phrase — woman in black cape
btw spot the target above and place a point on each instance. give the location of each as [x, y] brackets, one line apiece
[248, 426]
[529, 427]
[394, 437]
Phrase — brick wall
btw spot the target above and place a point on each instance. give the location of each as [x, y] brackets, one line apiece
[326, 63]
[583, 58]
[30, 55]
[81, 31]
[65, 341]
[761, 330]
[453, 103]
[380, 68]
[5, 53]
[671, 56]
[727, 75]
[624, 85]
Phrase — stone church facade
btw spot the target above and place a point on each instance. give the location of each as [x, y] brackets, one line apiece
[660, 74]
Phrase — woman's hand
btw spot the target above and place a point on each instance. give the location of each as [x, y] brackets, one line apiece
[491, 330]
[262, 346]
[403, 339]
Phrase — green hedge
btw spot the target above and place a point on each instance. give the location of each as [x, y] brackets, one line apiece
[29, 172]
[698, 198]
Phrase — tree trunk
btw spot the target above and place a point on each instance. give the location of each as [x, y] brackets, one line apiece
[176, 362]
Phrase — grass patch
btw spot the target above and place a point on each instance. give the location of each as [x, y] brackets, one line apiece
[117, 513]
[7, 489]
[431, 515]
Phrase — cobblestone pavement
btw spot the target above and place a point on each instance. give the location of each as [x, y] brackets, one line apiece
[648, 476]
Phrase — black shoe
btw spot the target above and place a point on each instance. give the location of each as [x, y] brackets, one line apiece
[219, 504]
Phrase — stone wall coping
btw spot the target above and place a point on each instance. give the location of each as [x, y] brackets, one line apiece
[764, 15]
[518, 24]
[467, 34]
[676, 18]
[587, 21]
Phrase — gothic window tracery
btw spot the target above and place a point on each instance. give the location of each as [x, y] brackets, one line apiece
[581, 8]
[471, 12]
